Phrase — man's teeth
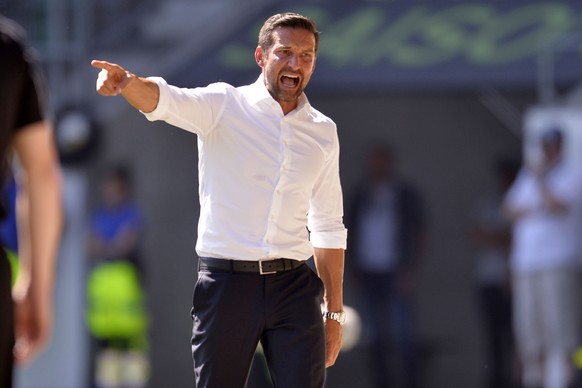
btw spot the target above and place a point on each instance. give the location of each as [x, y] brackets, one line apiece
[290, 80]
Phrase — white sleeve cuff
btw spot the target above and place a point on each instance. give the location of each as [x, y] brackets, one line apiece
[162, 106]
[335, 239]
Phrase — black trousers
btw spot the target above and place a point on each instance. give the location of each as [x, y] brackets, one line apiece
[232, 312]
[6, 323]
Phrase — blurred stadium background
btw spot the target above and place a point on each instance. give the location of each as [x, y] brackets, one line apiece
[452, 84]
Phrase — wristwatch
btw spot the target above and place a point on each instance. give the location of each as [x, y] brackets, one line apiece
[339, 316]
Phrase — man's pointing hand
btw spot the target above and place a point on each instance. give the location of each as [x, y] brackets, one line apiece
[112, 78]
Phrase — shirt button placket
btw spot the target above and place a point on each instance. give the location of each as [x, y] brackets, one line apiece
[276, 201]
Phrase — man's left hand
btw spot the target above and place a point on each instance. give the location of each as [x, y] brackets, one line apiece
[333, 341]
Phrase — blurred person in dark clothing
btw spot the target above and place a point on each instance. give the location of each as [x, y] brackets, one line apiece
[491, 236]
[387, 232]
[545, 207]
[25, 326]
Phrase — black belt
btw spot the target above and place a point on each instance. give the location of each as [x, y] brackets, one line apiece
[263, 267]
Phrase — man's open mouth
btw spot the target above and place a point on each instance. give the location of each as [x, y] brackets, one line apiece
[290, 81]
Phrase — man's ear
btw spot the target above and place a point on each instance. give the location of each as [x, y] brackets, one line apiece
[259, 57]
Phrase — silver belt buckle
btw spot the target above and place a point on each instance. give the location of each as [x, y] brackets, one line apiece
[261, 267]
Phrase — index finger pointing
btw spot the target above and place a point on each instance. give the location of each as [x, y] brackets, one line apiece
[102, 65]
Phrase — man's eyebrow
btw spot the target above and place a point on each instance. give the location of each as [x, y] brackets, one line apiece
[287, 46]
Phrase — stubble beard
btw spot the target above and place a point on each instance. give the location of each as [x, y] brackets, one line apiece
[286, 96]
[280, 94]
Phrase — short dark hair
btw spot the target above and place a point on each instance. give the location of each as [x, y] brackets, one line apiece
[288, 19]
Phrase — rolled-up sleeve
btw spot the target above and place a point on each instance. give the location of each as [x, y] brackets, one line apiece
[160, 110]
[325, 217]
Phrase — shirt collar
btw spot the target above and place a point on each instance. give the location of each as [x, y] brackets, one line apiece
[260, 93]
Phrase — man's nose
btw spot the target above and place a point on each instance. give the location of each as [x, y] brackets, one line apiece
[293, 61]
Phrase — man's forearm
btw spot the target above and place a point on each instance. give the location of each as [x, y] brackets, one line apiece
[142, 93]
[46, 219]
[551, 202]
[330, 268]
[40, 203]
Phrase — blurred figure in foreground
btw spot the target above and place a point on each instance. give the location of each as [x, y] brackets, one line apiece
[491, 237]
[117, 314]
[8, 226]
[26, 321]
[545, 205]
[387, 232]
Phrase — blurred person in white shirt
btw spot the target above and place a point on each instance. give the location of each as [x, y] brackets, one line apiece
[545, 207]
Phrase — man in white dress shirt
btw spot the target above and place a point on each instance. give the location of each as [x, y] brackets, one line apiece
[270, 198]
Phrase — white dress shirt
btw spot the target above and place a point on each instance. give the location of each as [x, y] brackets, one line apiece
[265, 177]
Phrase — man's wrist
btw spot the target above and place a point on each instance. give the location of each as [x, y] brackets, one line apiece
[338, 316]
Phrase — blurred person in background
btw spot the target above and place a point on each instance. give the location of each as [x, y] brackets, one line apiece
[117, 316]
[270, 197]
[387, 234]
[25, 133]
[545, 206]
[491, 237]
